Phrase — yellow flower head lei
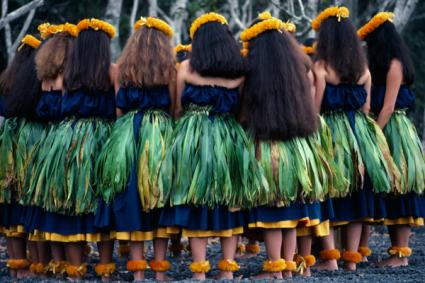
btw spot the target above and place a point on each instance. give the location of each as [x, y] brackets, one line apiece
[245, 50]
[339, 12]
[46, 30]
[155, 23]
[29, 40]
[374, 23]
[183, 48]
[289, 27]
[206, 18]
[265, 15]
[260, 27]
[96, 24]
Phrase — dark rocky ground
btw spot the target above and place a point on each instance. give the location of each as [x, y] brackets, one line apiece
[366, 272]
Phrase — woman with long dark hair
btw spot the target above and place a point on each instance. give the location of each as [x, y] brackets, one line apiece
[137, 145]
[343, 96]
[278, 110]
[210, 171]
[392, 75]
[20, 91]
[63, 183]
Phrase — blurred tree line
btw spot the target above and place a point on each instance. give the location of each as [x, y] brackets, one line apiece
[23, 16]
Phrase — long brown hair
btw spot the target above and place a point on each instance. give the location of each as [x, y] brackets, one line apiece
[147, 60]
[52, 55]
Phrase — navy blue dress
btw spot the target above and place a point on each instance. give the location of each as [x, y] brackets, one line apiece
[361, 203]
[125, 214]
[80, 105]
[208, 124]
[409, 207]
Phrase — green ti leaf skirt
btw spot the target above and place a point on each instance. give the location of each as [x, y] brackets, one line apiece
[142, 149]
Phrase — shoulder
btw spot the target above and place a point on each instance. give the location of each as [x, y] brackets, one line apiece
[395, 66]
[319, 68]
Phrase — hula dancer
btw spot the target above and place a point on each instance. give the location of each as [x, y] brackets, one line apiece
[63, 183]
[360, 150]
[210, 171]
[19, 136]
[392, 75]
[279, 111]
[58, 40]
[129, 165]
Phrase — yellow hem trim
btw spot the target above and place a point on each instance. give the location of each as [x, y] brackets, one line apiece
[306, 222]
[55, 237]
[137, 236]
[206, 233]
[405, 221]
[16, 231]
[320, 230]
[369, 220]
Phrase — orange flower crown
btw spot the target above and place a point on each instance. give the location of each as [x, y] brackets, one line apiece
[374, 23]
[260, 27]
[183, 48]
[46, 30]
[290, 27]
[155, 23]
[30, 41]
[339, 12]
[206, 18]
[96, 24]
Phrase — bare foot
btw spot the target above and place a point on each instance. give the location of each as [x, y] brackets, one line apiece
[350, 266]
[269, 275]
[139, 275]
[329, 265]
[199, 276]
[13, 273]
[74, 279]
[287, 274]
[225, 275]
[162, 276]
[394, 261]
[23, 273]
[364, 259]
[307, 272]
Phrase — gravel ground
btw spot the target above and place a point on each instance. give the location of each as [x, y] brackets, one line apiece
[366, 272]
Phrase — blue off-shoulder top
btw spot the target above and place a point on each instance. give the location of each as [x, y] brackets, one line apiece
[1, 106]
[134, 98]
[405, 98]
[344, 97]
[223, 100]
[89, 104]
[49, 106]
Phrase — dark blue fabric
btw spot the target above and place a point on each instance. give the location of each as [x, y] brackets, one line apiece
[125, 213]
[410, 205]
[49, 106]
[11, 214]
[405, 98]
[143, 98]
[201, 218]
[39, 219]
[344, 97]
[223, 100]
[295, 211]
[89, 104]
[361, 204]
[1, 106]
[126, 205]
